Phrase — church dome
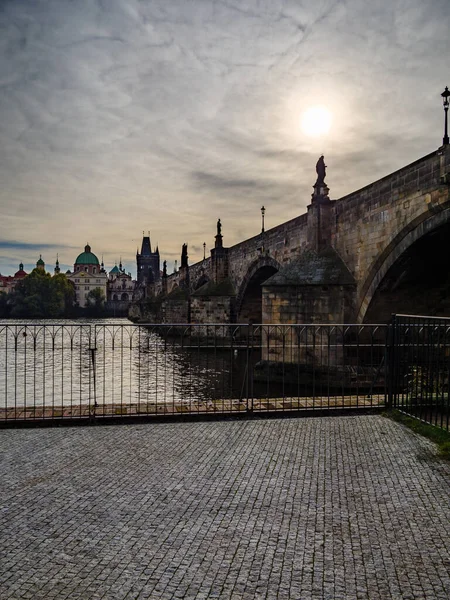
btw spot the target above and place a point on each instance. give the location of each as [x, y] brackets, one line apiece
[115, 270]
[87, 257]
[20, 274]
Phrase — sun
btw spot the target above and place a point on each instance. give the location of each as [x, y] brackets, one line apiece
[316, 121]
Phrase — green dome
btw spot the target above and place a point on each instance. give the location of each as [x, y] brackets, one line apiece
[87, 257]
[40, 262]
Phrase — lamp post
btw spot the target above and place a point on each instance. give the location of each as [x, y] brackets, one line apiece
[263, 212]
[445, 95]
[204, 250]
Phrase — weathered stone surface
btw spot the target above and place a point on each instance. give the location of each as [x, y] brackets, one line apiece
[369, 229]
[298, 509]
[313, 268]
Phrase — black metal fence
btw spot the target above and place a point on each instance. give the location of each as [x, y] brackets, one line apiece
[81, 370]
[419, 367]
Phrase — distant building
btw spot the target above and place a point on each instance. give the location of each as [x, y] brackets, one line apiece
[147, 263]
[121, 289]
[87, 275]
[40, 264]
[120, 285]
[8, 282]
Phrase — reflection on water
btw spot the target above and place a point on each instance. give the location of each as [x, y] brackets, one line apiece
[82, 362]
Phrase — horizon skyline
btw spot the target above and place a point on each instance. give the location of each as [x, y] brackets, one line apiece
[166, 117]
[176, 262]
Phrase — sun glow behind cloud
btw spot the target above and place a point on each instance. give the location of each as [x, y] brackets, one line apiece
[316, 121]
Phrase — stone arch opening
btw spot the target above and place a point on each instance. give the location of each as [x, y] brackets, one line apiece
[249, 298]
[415, 278]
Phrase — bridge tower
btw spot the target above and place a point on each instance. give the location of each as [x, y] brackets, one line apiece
[147, 263]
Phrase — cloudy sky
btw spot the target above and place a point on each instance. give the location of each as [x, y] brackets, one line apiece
[118, 116]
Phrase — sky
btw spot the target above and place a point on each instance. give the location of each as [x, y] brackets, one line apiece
[124, 116]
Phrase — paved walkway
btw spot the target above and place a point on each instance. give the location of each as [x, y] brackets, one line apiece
[335, 507]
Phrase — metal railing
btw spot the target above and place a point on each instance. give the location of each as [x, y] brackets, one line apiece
[419, 367]
[66, 371]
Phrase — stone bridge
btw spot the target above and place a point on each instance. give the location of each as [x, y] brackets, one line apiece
[378, 250]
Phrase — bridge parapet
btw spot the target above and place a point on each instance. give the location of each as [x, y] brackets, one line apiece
[368, 229]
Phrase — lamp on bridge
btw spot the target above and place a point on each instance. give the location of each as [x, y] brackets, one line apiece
[263, 212]
[445, 95]
[204, 250]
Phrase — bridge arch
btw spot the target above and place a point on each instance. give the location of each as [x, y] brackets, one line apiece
[414, 235]
[249, 296]
[200, 282]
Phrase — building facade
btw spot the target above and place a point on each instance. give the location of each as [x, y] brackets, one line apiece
[88, 274]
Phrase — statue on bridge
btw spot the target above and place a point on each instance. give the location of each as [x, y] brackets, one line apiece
[219, 227]
[321, 171]
[184, 256]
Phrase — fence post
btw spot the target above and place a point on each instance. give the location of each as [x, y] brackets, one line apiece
[249, 403]
[92, 351]
[390, 361]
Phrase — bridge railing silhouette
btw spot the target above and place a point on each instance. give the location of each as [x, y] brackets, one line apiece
[419, 367]
[57, 372]
[65, 372]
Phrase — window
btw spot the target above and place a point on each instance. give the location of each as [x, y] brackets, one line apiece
[98, 281]
[86, 287]
[87, 281]
[94, 270]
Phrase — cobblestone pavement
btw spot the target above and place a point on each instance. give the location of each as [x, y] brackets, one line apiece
[335, 507]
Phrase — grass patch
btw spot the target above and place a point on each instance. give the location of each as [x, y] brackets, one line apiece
[439, 436]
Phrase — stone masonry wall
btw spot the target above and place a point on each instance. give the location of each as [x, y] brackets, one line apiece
[364, 226]
[368, 220]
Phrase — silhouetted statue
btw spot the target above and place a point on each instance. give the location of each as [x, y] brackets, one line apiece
[321, 170]
[184, 256]
[164, 269]
[219, 227]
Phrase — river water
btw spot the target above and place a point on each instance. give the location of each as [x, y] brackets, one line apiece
[50, 363]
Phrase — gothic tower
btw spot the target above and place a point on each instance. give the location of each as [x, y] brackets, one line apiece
[147, 263]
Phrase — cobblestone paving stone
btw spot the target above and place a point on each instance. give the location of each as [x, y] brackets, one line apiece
[333, 508]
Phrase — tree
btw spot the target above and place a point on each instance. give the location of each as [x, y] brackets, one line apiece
[41, 296]
[95, 303]
[4, 306]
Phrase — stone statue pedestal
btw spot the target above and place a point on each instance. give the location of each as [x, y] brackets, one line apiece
[320, 193]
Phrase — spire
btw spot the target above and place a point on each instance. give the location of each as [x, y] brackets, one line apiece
[146, 248]
[157, 249]
[120, 264]
[21, 266]
[57, 269]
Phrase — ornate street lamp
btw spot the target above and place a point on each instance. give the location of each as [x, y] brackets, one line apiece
[445, 95]
[263, 212]
[204, 250]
